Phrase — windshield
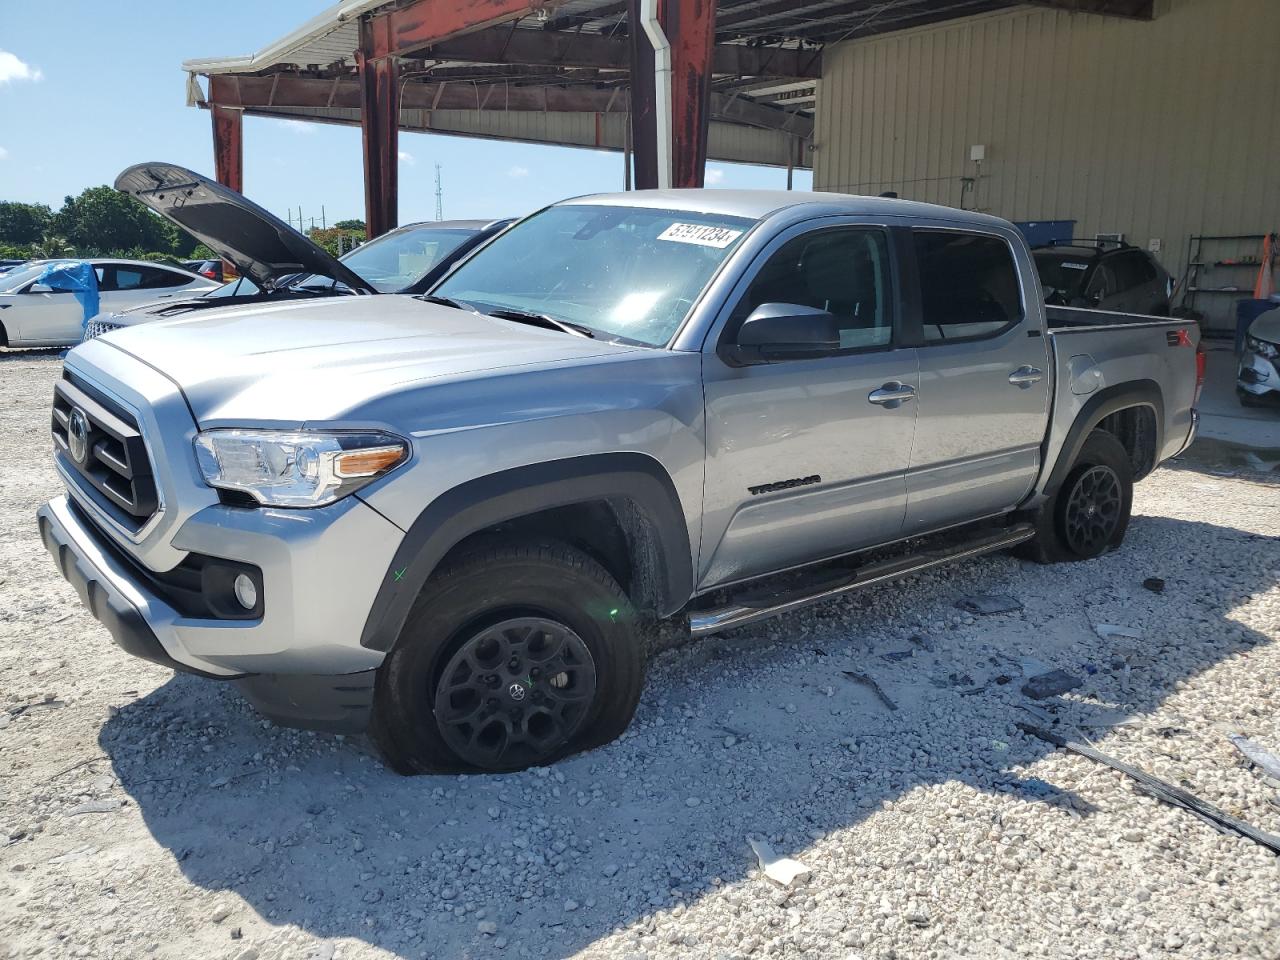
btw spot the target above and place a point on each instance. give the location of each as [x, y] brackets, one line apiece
[626, 272]
[239, 287]
[395, 260]
[1061, 275]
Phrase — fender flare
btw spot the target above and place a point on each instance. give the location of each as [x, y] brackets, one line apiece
[477, 504]
[1136, 393]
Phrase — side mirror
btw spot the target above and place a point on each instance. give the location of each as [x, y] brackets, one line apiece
[39, 288]
[783, 331]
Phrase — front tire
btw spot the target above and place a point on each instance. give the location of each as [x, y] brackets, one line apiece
[511, 657]
[1089, 513]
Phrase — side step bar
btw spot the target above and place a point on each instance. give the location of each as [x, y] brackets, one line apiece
[705, 622]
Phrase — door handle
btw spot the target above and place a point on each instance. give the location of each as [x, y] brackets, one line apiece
[1026, 376]
[892, 394]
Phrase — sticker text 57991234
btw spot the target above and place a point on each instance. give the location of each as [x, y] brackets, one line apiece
[700, 234]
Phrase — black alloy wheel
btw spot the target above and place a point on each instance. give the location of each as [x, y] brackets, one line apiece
[1093, 510]
[514, 693]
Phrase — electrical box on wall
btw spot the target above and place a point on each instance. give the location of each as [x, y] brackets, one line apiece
[978, 152]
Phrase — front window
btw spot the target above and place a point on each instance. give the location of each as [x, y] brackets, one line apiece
[395, 260]
[630, 273]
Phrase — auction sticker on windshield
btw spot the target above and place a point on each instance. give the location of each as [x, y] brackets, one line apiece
[701, 234]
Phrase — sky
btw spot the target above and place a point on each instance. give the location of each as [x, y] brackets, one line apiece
[102, 88]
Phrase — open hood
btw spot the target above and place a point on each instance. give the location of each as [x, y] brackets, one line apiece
[262, 246]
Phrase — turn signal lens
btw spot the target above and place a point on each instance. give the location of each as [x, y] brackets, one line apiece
[367, 463]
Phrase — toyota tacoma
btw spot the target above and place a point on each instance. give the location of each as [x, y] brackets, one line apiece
[453, 519]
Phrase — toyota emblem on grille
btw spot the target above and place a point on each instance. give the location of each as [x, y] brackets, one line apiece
[78, 435]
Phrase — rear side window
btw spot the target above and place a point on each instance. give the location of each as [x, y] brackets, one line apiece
[968, 285]
[1132, 270]
[155, 278]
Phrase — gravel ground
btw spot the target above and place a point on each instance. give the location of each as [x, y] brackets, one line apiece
[151, 815]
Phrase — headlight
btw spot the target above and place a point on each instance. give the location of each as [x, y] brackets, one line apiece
[296, 469]
[1262, 348]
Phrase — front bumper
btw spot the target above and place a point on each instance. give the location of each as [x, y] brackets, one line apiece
[103, 586]
[1257, 375]
[301, 663]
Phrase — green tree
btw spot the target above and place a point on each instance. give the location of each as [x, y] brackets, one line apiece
[52, 247]
[24, 222]
[349, 225]
[105, 219]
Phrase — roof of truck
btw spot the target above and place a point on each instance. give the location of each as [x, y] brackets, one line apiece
[758, 204]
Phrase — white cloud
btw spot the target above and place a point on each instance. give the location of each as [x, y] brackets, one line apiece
[406, 157]
[300, 126]
[518, 173]
[11, 69]
[4, 154]
[714, 177]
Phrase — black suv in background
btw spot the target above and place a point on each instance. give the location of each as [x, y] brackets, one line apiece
[1103, 275]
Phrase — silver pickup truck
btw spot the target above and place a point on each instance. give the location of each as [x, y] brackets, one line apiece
[452, 519]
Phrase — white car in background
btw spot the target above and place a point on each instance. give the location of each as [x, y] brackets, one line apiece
[32, 315]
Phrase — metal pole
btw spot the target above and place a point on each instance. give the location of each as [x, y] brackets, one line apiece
[791, 152]
[626, 155]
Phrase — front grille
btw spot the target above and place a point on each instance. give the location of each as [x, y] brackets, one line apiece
[100, 443]
[96, 328]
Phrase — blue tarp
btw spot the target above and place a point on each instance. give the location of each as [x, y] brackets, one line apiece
[78, 277]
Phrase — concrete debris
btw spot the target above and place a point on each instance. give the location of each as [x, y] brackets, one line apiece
[783, 871]
[1264, 760]
[1050, 684]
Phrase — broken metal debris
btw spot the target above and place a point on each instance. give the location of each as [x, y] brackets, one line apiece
[781, 870]
[1050, 684]
[1109, 631]
[988, 604]
[1264, 760]
[1162, 790]
[875, 688]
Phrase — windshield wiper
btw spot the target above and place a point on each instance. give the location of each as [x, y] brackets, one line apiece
[446, 302]
[542, 320]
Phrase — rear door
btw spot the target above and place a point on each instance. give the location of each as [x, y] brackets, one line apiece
[805, 460]
[983, 396]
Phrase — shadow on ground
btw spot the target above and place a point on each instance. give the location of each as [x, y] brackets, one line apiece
[312, 831]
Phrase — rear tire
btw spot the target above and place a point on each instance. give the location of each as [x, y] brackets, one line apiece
[511, 657]
[1247, 399]
[1089, 513]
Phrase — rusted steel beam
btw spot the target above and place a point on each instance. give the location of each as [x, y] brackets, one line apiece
[690, 25]
[315, 93]
[542, 48]
[424, 22]
[380, 129]
[228, 137]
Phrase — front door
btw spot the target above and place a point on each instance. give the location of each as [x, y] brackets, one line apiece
[806, 458]
[984, 384]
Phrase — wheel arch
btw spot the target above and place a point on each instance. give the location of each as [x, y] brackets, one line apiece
[1133, 412]
[634, 487]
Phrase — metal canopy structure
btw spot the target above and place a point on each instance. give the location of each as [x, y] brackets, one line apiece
[744, 76]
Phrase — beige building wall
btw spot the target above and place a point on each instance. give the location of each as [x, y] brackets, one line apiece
[1157, 130]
